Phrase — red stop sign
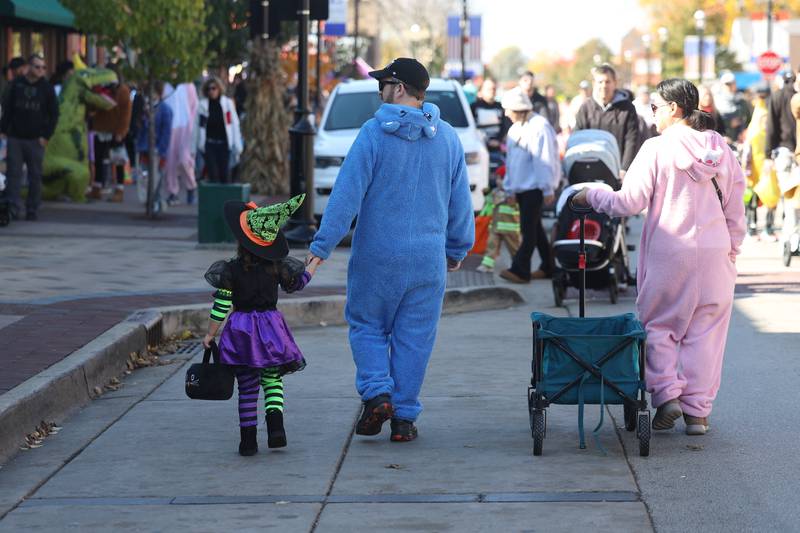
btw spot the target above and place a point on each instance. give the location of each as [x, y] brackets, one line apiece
[769, 63]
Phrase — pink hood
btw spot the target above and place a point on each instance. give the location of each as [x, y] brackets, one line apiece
[706, 154]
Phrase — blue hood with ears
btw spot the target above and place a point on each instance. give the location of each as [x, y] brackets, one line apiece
[408, 123]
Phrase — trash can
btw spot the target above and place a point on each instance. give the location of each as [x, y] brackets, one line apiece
[211, 226]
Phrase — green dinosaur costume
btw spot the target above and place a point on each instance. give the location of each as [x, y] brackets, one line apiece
[66, 159]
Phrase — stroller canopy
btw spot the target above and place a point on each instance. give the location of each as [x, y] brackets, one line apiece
[592, 145]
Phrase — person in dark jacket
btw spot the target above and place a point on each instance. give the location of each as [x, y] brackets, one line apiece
[781, 130]
[490, 116]
[30, 114]
[707, 105]
[553, 111]
[611, 110]
[526, 83]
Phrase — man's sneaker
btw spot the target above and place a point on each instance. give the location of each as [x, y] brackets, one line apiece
[96, 193]
[374, 413]
[118, 196]
[540, 274]
[512, 277]
[666, 415]
[403, 430]
[696, 425]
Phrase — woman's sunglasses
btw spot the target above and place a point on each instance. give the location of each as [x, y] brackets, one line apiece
[655, 107]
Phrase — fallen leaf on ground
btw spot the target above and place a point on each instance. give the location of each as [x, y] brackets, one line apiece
[695, 447]
[394, 466]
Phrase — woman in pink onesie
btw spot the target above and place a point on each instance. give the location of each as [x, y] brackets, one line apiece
[692, 186]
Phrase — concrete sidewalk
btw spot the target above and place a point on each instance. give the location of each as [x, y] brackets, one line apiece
[145, 458]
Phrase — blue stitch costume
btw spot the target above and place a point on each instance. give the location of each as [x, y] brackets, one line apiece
[406, 179]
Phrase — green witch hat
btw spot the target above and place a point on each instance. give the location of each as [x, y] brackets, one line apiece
[258, 229]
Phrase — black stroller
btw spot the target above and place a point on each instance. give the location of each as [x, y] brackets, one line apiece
[592, 160]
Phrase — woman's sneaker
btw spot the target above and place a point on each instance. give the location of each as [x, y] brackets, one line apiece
[666, 415]
[403, 430]
[374, 413]
[696, 425]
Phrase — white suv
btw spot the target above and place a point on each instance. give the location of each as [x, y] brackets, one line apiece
[353, 103]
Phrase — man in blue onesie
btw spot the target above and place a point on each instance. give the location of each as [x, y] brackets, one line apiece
[406, 179]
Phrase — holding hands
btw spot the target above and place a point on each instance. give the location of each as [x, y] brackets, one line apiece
[312, 263]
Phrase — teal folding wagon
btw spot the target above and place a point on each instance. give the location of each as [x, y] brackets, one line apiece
[588, 361]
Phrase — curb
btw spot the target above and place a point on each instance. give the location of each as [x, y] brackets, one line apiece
[60, 390]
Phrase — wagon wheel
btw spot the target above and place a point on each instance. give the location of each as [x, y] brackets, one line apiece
[538, 430]
[630, 416]
[787, 253]
[643, 433]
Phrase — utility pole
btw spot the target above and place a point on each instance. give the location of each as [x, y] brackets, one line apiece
[302, 141]
[464, 37]
[769, 24]
[355, 33]
[317, 98]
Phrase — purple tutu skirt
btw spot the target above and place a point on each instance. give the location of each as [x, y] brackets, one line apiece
[260, 339]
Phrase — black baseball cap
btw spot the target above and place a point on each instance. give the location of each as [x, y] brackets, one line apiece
[407, 70]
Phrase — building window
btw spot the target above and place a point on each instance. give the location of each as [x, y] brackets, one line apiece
[37, 44]
[16, 44]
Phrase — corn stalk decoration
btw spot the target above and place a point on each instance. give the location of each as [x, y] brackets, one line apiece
[266, 124]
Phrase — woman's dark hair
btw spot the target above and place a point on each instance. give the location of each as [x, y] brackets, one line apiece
[685, 95]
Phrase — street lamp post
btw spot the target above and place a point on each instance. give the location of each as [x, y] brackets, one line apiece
[302, 141]
[414, 29]
[663, 37]
[646, 41]
[700, 24]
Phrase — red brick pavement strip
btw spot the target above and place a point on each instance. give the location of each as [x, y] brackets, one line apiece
[49, 333]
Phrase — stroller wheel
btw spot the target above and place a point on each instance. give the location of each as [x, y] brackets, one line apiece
[787, 253]
[613, 291]
[643, 433]
[630, 416]
[559, 291]
[539, 426]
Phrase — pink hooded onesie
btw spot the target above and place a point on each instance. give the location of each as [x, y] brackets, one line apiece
[686, 269]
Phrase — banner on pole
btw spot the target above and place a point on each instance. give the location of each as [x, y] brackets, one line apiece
[337, 18]
[691, 63]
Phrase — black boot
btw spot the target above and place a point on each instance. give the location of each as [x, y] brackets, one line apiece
[248, 445]
[276, 435]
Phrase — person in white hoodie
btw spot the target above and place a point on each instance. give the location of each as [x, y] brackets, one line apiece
[217, 134]
[532, 163]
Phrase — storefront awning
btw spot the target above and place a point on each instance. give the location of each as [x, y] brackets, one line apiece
[42, 11]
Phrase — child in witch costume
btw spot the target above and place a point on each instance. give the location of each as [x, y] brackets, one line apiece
[256, 342]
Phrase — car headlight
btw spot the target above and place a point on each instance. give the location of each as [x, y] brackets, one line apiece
[472, 158]
[325, 162]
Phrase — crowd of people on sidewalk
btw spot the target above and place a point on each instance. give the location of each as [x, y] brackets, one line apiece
[196, 136]
[759, 125]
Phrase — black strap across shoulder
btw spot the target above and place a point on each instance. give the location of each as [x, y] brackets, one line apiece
[719, 192]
